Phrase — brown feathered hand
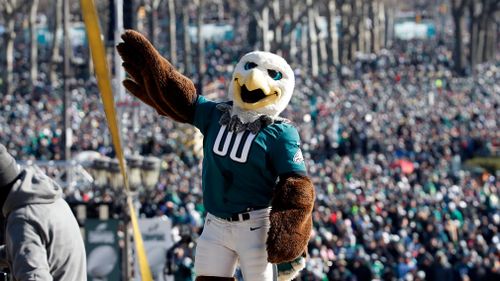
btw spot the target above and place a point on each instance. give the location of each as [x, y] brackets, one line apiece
[154, 80]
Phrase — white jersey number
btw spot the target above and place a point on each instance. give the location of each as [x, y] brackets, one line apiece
[237, 142]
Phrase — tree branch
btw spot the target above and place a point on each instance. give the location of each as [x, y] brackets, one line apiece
[258, 18]
[8, 7]
[462, 5]
[282, 17]
[19, 9]
[11, 8]
[263, 5]
[298, 19]
[493, 7]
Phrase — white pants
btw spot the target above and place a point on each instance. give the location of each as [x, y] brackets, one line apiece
[223, 244]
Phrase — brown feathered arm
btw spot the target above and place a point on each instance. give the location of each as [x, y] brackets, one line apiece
[291, 218]
[154, 80]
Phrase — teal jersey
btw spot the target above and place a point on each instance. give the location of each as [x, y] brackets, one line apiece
[240, 170]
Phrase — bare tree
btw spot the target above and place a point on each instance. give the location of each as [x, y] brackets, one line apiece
[482, 30]
[187, 53]
[344, 10]
[389, 18]
[9, 10]
[293, 35]
[55, 56]
[351, 28]
[152, 10]
[284, 40]
[381, 24]
[253, 26]
[201, 45]
[359, 34]
[259, 18]
[457, 12]
[377, 18]
[313, 38]
[364, 28]
[492, 31]
[33, 42]
[486, 41]
[173, 31]
[264, 24]
[375, 31]
[322, 45]
[304, 54]
[278, 30]
[475, 11]
[333, 38]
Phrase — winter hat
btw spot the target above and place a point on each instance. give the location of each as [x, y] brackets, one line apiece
[8, 167]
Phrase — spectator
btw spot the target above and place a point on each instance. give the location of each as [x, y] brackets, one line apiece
[43, 239]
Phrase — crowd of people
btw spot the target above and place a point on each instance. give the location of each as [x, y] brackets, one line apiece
[385, 141]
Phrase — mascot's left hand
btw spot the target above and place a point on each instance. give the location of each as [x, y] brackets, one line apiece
[291, 218]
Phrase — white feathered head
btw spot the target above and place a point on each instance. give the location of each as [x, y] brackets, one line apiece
[262, 84]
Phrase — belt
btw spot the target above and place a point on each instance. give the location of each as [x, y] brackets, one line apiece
[242, 216]
[238, 217]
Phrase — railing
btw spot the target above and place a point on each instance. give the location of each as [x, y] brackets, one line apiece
[68, 174]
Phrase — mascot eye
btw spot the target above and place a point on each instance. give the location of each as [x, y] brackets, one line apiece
[250, 65]
[276, 75]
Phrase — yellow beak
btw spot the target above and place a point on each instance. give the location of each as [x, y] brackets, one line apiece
[255, 80]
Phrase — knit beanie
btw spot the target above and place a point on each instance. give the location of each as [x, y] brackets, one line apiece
[8, 167]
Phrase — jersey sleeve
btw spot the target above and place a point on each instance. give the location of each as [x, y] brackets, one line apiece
[286, 154]
[203, 113]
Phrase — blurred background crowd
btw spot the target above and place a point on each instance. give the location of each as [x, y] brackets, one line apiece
[388, 136]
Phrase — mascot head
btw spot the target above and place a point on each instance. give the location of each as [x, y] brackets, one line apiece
[262, 84]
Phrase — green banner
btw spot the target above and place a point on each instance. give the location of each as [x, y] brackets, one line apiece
[103, 252]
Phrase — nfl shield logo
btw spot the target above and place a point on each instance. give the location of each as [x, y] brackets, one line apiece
[298, 158]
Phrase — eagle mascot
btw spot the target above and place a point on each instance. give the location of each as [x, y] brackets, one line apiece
[258, 197]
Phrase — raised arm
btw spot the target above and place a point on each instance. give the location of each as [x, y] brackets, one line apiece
[154, 80]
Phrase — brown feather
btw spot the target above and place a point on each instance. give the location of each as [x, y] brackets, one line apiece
[167, 90]
[291, 218]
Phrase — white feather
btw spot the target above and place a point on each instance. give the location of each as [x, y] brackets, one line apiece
[265, 61]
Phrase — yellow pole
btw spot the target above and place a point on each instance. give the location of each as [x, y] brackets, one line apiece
[103, 81]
